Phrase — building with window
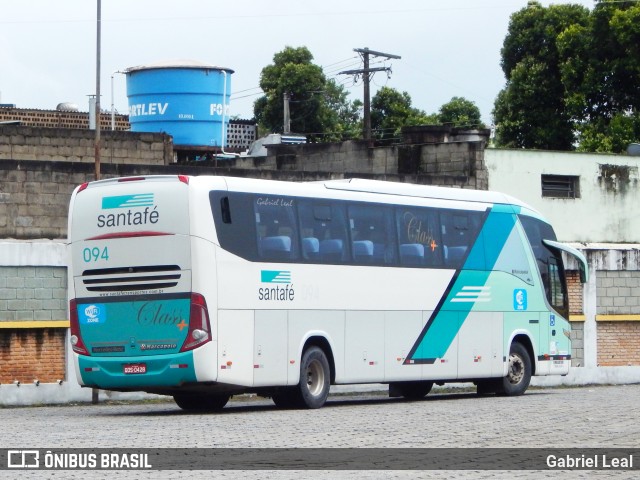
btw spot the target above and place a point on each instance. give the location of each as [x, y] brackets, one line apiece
[592, 201]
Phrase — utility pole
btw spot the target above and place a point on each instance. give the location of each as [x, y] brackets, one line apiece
[287, 116]
[366, 77]
[97, 137]
[94, 391]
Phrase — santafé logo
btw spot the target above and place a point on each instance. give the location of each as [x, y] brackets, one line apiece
[280, 287]
[127, 201]
[135, 209]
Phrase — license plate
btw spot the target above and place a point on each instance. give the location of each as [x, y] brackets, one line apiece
[133, 368]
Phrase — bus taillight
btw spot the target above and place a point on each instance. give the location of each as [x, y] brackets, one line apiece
[199, 326]
[76, 339]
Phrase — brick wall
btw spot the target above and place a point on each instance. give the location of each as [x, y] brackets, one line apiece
[33, 311]
[618, 343]
[618, 295]
[575, 291]
[32, 354]
[60, 118]
[28, 294]
[240, 133]
[576, 305]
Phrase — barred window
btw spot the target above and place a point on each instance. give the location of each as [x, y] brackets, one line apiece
[560, 186]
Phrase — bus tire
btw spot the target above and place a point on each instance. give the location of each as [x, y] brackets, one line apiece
[315, 376]
[413, 390]
[200, 402]
[519, 372]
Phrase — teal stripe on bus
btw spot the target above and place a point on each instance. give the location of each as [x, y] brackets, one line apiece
[447, 319]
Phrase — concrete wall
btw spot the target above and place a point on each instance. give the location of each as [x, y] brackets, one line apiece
[459, 165]
[606, 209]
[618, 292]
[77, 145]
[33, 293]
[35, 360]
[33, 311]
[429, 155]
[603, 221]
[607, 331]
[40, 167]
[35, 188]
[240, 133]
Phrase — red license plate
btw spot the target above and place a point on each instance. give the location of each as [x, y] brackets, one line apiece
[133, 368]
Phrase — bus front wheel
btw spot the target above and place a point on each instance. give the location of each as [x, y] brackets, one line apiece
[200, 402]
[519, 371]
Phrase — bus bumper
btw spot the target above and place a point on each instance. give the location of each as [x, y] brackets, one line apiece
[553, 366]
[135, 373]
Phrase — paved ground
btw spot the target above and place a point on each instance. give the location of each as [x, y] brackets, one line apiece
[564, 417]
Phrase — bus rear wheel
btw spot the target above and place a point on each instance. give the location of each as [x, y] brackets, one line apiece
[200, 402]
[315, 376]
[519, 372]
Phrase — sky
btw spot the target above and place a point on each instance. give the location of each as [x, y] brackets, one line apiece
[447, 48]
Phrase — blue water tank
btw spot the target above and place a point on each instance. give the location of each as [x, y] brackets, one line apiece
[186, 99]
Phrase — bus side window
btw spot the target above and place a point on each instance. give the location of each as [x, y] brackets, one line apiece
[419, 237]
[372, 237]
[322, 231]
[236, 234]
[276, 230]
[457, 237]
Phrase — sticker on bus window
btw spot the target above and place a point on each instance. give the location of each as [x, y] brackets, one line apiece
[519, 299]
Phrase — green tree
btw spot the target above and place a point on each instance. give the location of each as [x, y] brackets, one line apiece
[572, 78]
[391, 110]
[530, 112]
[601, 72]
[318, 107]
[343, 115]
[461, 113]
[611, 134]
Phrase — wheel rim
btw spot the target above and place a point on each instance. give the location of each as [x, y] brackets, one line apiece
[315, 378]
[516, 369]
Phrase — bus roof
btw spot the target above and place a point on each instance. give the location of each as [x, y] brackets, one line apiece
[422, 191]
[355, 185]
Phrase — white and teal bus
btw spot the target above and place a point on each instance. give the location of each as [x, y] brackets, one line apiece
[204, 287]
